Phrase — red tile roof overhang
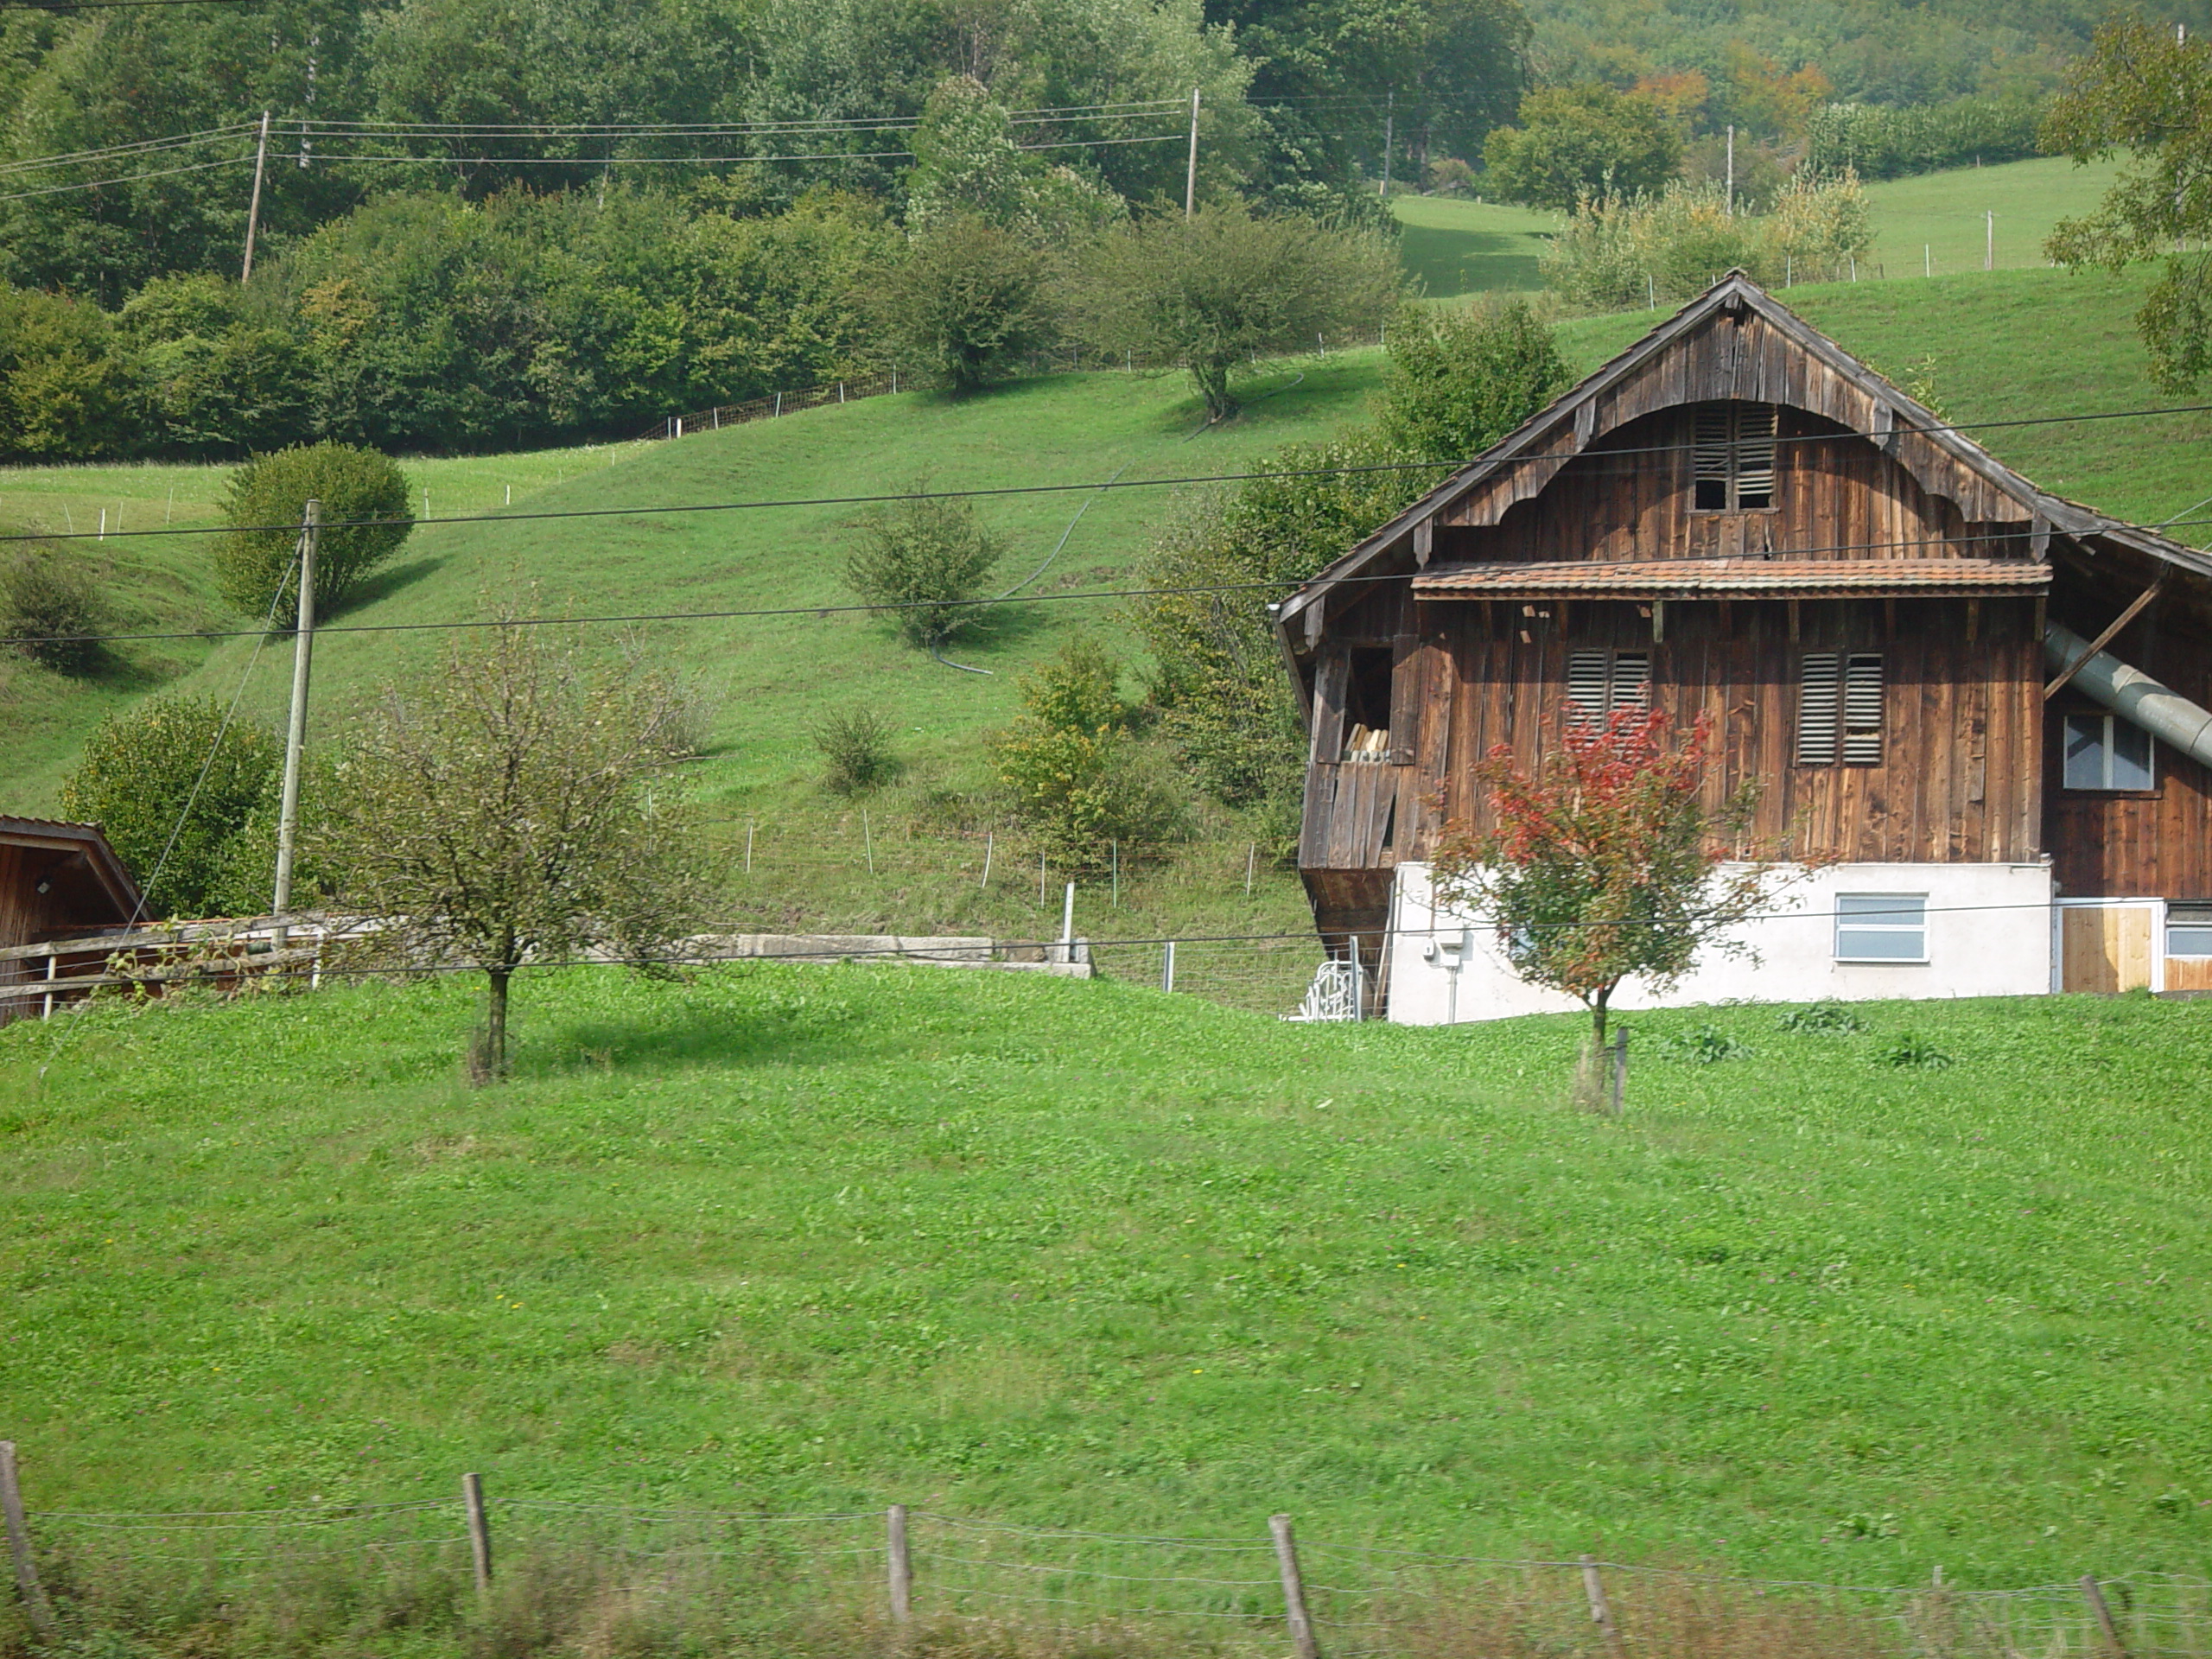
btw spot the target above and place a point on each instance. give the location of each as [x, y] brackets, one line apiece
[1736, 579]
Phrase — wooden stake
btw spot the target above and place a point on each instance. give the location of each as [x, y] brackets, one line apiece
[1601, 1614]
[19, 1543]
[2095, 1596]
[868, 840]
[1167, 967]
[1251, 854]
[990, 842]
[748, 848]
[480, 1531]
[1117, 874]
[1294, 1590]
[901, 1564]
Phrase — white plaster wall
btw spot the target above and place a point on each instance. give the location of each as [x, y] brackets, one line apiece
[1989, 934]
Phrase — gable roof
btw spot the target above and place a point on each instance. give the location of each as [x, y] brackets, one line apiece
[1519, 466]
[107, 870]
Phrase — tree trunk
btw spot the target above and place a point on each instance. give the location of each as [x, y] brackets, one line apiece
[1213, 382]
[1593, 1069]
[495, 1024]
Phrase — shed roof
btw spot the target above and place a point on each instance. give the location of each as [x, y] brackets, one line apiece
[1732, 578]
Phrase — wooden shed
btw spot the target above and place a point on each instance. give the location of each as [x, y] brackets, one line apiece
[58, 880]
[1975, 696]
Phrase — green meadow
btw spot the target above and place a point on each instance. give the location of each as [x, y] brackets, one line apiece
[1085, 1255]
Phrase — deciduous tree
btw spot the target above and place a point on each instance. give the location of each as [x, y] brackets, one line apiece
[1573, 142]
[1608, 861]
[515, 808]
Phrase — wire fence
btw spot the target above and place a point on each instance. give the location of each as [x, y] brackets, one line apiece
[1342, 1599]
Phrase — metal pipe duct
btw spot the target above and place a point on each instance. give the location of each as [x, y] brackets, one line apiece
[2133, 694]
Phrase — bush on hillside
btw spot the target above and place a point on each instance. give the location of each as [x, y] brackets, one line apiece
[66, 388]
[1618, 253]
[925, 559]
[47, 594]
[855, 743]
[1877, 143]
[1077, 776]
[1459, 380]
[966, 306]
[255, 563]
[177, 785]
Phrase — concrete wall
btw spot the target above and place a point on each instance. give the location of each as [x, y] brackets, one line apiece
[1988, 934]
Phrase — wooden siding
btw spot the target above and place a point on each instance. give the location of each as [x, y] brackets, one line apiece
[1743, 356]
[1959, 781]
[2157, 844]
[1630, 498]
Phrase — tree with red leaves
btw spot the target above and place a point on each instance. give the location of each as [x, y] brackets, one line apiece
[1606, 861]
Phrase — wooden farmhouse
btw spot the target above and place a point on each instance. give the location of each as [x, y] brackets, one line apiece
[1988, 705]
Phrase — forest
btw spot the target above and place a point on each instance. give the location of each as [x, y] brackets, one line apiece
[475, 224]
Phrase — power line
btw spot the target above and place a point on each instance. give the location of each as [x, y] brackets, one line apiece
[128, 178]
[884, 608]
[1119, 483]
[144, 146]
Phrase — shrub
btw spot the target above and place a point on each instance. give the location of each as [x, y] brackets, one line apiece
[1706, 1045]
[1878, 142]
[46, 590]
[966, 306]
[1913, 1053]
[171, 776]
[1460, 380]
[253, 562]
[930, 558]
[856, 744]
[1079, 779]
[1822, 1019]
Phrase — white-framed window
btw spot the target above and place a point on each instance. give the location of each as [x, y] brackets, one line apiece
[2104, 752]
[1881, 927]
[2189, 930]
[1599, 683]
[1839, 708]
[1732, 455]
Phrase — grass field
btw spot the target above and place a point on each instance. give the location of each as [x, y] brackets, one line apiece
[1084, 1255]
[1451, 246]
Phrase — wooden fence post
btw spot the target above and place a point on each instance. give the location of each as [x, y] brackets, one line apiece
[901, 1564]
[19, 1543]
[1294, 1590]
[480, 1531]
[1601, 1612]
[2095, 1596]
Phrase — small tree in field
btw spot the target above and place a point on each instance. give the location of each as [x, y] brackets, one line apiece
[513, 810]
[925, 560]
[1606, 863]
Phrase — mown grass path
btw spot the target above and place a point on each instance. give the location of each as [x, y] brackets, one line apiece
[1084, 1255]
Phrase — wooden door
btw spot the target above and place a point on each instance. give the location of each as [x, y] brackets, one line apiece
[2105, 947]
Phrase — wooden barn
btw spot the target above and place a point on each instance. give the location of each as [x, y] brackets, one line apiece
[1987, 704]
[57, 881]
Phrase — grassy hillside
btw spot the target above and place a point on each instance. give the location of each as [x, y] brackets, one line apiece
[1084, 1255]
[1455, 247]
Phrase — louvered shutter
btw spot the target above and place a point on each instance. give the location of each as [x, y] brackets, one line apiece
[1631, 687]
[1754, 455]
[1817, 709]
[1586, 687]
[1862, 708]
[1709, 456]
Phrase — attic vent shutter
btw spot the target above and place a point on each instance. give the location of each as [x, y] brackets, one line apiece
[1586, 687]
[1631, 680]
[1816, 710]
[1709, 456]
[1862, 708]
[1754, 455]
[1732, 456]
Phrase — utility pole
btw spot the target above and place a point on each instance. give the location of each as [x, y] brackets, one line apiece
[1191, 177]
[295, 732]
[1389, 135]
[253, 213]
[1732, 170]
